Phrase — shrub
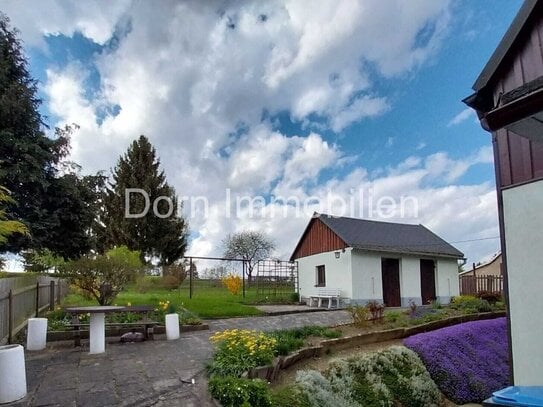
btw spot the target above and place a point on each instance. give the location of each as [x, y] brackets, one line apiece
[470, 304]
[240, 350]
[234, 392]
[290, 396]
[395, 376]
[170, 282]
[233, 283]
[295, 297]
[467, 361]
[103, 277]
[376, 310]
[393, 316]
[491, 297]
[359, 315]
[288, 340]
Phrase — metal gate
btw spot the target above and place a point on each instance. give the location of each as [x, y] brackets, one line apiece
[276, 279]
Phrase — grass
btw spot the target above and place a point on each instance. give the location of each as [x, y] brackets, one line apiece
[208, 300]
[289, 340]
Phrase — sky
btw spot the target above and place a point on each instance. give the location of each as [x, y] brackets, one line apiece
[323, 101]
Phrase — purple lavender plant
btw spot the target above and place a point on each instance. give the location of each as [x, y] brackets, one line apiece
[467, 361]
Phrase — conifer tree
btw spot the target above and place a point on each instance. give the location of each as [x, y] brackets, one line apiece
[155, 237]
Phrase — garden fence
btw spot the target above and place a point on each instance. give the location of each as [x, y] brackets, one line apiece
[25, 297]
[471, 285]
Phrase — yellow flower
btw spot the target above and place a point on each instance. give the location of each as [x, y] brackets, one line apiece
[128, 304]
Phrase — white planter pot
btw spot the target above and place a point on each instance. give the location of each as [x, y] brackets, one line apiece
[172, 326]
[12, 373]
[36, 336]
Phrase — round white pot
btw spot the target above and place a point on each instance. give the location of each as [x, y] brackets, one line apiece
[172, 326]
[36, 336]
[12, 373]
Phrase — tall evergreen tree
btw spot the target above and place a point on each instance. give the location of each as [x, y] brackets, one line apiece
[163, 238]
[28, 158]
[57, 207]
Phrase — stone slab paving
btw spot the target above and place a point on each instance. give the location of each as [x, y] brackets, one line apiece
[154, 373]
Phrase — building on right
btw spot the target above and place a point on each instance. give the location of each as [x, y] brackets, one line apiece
[508, 99]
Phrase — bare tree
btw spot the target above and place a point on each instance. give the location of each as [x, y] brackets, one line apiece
[250, 246]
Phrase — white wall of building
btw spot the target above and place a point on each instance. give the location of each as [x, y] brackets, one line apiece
[447, 280]
[410, 280]
[366, 270]
[358, 274]
[338, 273]
[523, 219]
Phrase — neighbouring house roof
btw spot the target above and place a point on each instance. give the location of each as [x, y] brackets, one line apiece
[495, 256]
[386, 236]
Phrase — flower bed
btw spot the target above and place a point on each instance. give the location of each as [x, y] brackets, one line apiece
[391, 377]
[467, 361]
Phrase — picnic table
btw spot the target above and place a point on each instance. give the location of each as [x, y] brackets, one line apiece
[97, 332]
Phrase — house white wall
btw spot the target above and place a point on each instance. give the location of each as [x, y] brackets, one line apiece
[338, 273]
[366, 271]
[523, 220]
[358, 274]
[447, 280]
[410, 280]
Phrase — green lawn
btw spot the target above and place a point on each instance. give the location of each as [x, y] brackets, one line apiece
[207, 301]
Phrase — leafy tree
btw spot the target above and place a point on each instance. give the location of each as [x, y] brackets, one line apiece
[250, 246]
[39, 261]
[164, 238]
[104, 276]
[28, 159]
[8, 227]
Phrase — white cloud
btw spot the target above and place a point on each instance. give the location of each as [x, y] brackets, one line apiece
[461, 117]
[196, 77]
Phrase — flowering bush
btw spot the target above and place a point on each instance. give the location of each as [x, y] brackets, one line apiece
[395, 376]
[236, 392]
[233, 283]
[467, 361]
[240, 350]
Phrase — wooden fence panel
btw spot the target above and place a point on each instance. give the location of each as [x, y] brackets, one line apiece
[471, 285]
[25, 290]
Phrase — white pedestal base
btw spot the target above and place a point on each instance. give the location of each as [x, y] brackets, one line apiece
[97, 334]
[12, 373]
[36, 336]
[172, 326]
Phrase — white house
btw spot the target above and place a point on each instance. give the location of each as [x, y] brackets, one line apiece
[367, 260]
[508, 99]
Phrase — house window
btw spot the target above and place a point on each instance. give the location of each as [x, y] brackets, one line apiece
[321, 277]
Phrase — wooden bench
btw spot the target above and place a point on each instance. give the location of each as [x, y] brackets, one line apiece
[145, 323]
[329, 294]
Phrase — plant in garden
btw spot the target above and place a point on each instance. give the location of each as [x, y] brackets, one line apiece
[395, 376]
[412, 307]
[359, 314]
[491, 297]
[288, 340]
[470, 304]
[103, 277]
[240, 350]
[376, 309]
[233, 283]
[467, 361]
[236, 392]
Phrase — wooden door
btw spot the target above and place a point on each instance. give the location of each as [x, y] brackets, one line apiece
[427, 281]
[390, 274]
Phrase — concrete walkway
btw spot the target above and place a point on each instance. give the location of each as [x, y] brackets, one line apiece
[154, 373]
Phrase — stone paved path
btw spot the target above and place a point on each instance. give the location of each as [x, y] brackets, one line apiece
[155, 373]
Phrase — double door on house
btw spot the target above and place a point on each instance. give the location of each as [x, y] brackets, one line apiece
[390, 276]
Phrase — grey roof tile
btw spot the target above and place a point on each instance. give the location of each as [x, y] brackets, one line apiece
[389, 237]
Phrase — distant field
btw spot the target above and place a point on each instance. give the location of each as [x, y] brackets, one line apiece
[208, 301]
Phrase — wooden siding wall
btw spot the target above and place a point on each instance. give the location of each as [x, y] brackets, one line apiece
[521, 160]
[319, 238]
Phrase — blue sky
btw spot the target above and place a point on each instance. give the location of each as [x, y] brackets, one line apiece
[305, 102]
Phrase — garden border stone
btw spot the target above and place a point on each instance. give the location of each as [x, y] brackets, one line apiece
[271, 372]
